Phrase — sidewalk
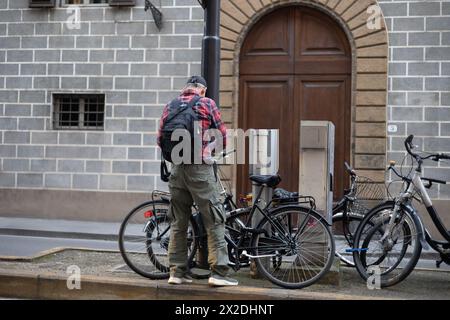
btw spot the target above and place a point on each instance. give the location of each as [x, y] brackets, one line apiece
[104, 276]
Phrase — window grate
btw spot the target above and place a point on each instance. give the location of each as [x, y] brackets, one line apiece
[79, 111]
[122, 2]
[41, 3]
[85, 1]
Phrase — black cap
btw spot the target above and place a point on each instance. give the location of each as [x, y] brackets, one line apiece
[197, 80]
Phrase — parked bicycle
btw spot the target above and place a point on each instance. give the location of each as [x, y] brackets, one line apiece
[292, 245]
[391, 236]
[348, 212]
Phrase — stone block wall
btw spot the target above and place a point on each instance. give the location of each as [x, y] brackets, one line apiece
[419, 81]
[116, 51]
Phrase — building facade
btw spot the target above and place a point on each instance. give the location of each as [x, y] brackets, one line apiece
[80, 100]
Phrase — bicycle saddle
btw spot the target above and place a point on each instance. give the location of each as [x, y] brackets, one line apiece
[268, 180]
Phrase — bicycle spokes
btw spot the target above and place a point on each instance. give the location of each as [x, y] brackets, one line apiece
[297, 248]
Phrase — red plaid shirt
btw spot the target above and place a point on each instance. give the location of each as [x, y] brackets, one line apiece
[208, 115]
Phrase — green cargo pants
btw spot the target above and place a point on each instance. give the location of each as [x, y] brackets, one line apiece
[189, 184]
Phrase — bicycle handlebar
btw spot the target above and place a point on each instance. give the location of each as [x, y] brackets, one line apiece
[434, 180]
[220, 156]
[409, 146]
[443, 156]
[435, 157]
[349, 169]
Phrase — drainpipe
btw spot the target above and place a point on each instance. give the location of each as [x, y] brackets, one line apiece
[211, 73]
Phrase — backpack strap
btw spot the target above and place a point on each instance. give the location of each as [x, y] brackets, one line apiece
[165, 173]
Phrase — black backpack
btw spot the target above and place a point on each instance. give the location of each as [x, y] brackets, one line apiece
[181, 116]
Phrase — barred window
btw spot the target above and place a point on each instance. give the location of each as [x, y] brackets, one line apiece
[79, 111]
[85, 1]
[52, 3]
[111, 2]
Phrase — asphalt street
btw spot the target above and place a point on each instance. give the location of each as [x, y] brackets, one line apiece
[23, 246]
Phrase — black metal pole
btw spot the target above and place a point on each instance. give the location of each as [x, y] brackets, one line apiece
[211, 49]
[211, 73]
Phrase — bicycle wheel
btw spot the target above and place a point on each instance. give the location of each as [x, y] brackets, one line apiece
[144, 240]
[296, 249]
[344, 230]
[393, 257]
[234, 225]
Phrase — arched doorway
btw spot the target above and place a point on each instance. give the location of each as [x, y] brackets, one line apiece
[295, 64]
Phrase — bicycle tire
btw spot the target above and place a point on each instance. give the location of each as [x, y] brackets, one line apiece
[338, 220]
[234, 231]
[161, 270]
[315, 219]
[388, 279]
[370, 234]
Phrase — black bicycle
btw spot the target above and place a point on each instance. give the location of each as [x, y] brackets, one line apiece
[348, 212]
[292, 245]
[391, 236]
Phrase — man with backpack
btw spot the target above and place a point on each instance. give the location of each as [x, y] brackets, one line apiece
[193, 181]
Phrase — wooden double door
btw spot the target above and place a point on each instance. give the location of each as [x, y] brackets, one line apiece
[295, 65]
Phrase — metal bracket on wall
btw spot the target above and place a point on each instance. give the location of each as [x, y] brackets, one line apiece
[156, 13]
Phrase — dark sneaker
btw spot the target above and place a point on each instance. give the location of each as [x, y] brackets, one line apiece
[219, 281]
[180, 279]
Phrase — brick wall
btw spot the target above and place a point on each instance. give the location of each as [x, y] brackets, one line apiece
[117, 51]
[419, 80]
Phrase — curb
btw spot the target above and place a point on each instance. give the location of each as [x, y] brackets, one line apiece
[44, 253]
[27, 285]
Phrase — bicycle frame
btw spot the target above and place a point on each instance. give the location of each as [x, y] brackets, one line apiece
[416, 185]
[247, 229]
[341, 208]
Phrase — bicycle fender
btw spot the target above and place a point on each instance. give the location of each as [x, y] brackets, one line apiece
[165, 199]
[419, 224]
[320, 216]
[341, 215]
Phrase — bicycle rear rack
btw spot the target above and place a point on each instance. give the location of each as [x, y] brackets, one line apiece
[294, 200]
[160, 195]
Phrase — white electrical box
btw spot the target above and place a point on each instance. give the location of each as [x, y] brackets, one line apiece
[263, 160]
[317, 164]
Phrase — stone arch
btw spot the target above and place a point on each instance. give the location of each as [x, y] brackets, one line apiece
[369, 68]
